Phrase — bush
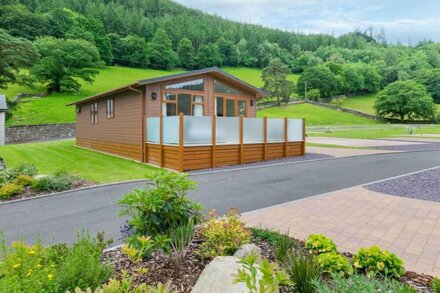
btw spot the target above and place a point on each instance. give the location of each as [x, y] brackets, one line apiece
[313, 95]
[338, 102]
[82, 266]
[317, 243]
[435, 285]
[162, 206]
[8, 176]
[9, 190]
[374, 260]
[223, 236]
[271, 276]
[58, 182]
[284, 245]
[24, 180]
[332, 262]
[303, 270]
[360, 283]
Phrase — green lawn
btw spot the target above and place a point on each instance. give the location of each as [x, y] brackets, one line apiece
[50, 157]
[362, 103]
[314, 115]
[252, 75]
[381, 131]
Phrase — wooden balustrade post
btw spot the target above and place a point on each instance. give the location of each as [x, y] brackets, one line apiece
[265, 138]
[304, 136]
[286, 125]
[181, 140]
[161, 141]
[241, 139]
[213, 140]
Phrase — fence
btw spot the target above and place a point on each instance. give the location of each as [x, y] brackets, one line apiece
[188, 142]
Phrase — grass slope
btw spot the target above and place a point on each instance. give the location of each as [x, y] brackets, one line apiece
[314, 115]
[50, 157]
[362, 103]
[52, 109]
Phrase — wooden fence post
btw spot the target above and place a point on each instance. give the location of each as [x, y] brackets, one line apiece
[241, 138]
[286, 123]
[304, 136]
[265, 138]
[161, 140]
[181, 140]
[213, 140]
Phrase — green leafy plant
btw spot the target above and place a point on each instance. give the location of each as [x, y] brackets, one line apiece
[140, 250]
[9, 190]
[303, 270]
[265, 277]
[58, 182]
[283, 246]
[162, 205]
[270, 235]
[373, 260]
[332, 262]
[181, 238]
[223, 236]
[435, 285]
[317, 243]
[360, 283]
[24, 180]
[23, 169]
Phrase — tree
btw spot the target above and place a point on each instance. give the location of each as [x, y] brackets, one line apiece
[63, 62]
[159, 51]
[228, 52]
[132, 51]
[317, 77]
[209, 55]
[185, 50]
[431, 80]
[15, 54]
[275, 80]
[405, 100]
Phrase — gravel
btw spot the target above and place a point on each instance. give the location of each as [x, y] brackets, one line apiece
[427, 146]
[306, 157]
[423, 185]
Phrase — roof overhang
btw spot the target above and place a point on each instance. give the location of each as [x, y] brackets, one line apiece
[215, 71]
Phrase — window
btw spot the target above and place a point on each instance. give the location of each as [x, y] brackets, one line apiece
[219, 106]
[188, 104]
[193, 85]
[230, 107]
[241, 107]
[220, 87]
[94, 113]
[110, 108]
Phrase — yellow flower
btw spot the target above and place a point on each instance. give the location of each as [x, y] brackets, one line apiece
[31, 252]
[380, 265]
[17, 265]
[50, 276]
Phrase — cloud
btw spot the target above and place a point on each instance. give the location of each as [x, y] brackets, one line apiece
[333, 16]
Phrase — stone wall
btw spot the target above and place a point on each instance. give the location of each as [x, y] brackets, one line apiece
[41, 132]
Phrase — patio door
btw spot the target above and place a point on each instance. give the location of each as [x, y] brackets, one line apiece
[230, 107]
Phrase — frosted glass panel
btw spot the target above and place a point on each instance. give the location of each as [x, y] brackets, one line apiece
[171, 130]
[275, 130]
[295, 129]
[153, 129]
[197, 130]
[253, 131]
[227, 130]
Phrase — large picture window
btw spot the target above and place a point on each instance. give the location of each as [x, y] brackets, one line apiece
[222, 88]
[192, 85]
[94, 113]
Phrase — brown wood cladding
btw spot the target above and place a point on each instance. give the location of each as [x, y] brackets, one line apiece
[130, 151]
[200, 157]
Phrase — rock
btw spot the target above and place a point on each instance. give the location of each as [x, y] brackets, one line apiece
[247, 249]
[217, 277]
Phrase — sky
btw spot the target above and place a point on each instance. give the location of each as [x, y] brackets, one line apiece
[405, 21]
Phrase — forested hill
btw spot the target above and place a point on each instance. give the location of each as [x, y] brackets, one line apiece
[121, 30]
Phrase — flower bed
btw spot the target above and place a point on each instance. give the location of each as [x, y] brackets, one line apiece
[23, 182]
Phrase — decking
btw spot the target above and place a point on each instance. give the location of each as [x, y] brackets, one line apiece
[187, 143]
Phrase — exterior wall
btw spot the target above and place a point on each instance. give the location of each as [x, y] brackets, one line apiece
[121, 135]
[40, 132]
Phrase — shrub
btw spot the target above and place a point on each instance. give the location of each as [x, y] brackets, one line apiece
[360, 283]
[141, 249]
[9, 190]
[374, 260]
[317, 243]
[223, 236]
[58, 182]
[338, 102]
[271, 276]
[283, 246]
[303, 270]
[162, 205]
[435, 285]
[23, 169]
[26, 268]
[82, 267]
[314, 94]
[332, 262]
[181, 238]
[24, 180]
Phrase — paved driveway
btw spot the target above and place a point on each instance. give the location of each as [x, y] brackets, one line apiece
[59, 217]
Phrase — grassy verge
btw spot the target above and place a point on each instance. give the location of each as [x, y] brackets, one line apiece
[315, 115]
[50, 157]
[362, 103]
